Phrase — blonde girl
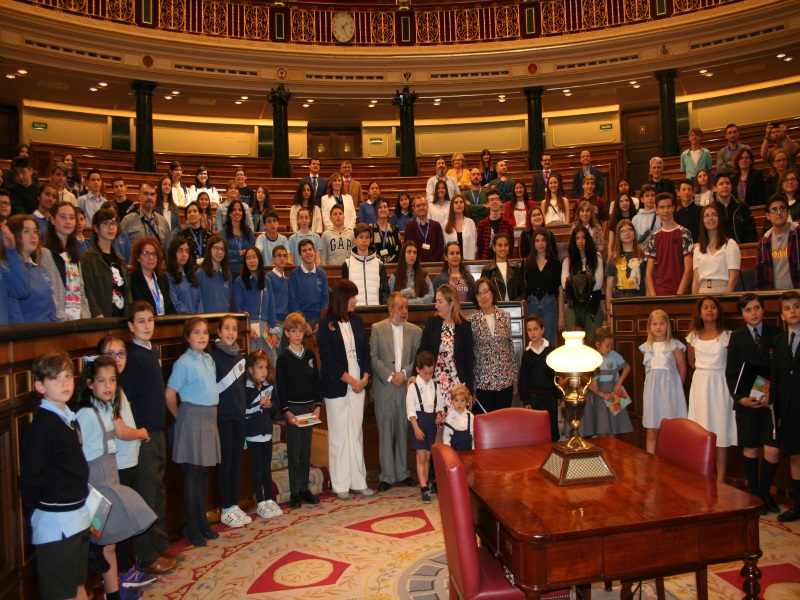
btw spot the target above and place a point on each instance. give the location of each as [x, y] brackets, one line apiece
[665, 372]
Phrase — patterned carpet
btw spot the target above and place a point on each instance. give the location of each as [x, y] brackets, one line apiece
[390, 546]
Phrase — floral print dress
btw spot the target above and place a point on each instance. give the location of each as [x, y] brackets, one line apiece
[444, 373]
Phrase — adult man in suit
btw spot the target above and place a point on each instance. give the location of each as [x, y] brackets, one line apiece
[540, 179]
[393, 346]
[784, 391]
[350, 185]
[754, 344]
[319, 185]
[657, 179]
[586, 169]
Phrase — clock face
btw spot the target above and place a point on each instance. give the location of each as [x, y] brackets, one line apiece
[343, 26]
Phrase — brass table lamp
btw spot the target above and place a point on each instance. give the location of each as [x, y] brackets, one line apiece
[575, 460]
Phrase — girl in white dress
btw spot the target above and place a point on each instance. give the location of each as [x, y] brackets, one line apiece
[665, 368]
[710, 402]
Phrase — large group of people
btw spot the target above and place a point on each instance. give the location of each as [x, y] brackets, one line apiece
[427, 383]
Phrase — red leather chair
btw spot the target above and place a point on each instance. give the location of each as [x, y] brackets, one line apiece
[691, 446]
[474, 573]
[511, 427]
[686, 444]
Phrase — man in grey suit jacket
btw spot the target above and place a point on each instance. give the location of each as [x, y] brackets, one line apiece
[393, 346]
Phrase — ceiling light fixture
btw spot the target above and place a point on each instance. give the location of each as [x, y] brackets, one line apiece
[103, 84]
[175, 93]
[637, 86]
[703, 71]
[304, 105]
[502, 96]
[11, 76]
[370, 105]
[708, 74]
[633, 83]
[373, 101]
[787, 59]
[310, 101]
[167, 97]
[92, 89]
[782, 54]
[501, 99]
[22, 71]
[244, 97]
[238, 102]
[567, 91]
[568, 94]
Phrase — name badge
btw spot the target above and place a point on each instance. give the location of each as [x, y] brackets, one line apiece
[384, 252]
[426, 246]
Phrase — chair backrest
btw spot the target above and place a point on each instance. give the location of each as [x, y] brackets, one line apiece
[687, 444]
[456, 512]
[511, 427]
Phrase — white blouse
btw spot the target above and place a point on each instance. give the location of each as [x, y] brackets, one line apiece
[716, 266]
[469, 238]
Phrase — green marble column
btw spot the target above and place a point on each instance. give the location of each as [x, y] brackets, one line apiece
[144, 160]
[535, 126]
[669, 112]
[408, 144]
[279, 98]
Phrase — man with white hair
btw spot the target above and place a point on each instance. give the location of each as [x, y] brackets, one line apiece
[662, 184]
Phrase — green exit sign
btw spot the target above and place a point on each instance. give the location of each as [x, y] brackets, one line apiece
[606, 127]
[376, 140]
[39, 125]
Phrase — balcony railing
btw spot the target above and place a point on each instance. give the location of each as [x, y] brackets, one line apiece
[379, 23]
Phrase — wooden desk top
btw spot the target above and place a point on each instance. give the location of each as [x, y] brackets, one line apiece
[657, 519]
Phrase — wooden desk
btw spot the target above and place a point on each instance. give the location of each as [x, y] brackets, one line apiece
[657, 519]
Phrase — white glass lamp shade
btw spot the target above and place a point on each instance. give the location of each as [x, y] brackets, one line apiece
[574, 356]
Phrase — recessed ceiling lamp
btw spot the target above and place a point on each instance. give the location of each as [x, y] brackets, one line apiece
[11, 76]
[238, 102]
[304, 105]
[502, 96]
[103, 84]
[782, 54]
[310, 101]
[373, 101]
[567, 91]
[501, 99]
[568, 94]
[632, 82]
[22, 71]
[703, 71]
[637, 86]
[787, 59]
[167, 97]
[370, 106]
[175, 92]
[244, 97]
[708, 74]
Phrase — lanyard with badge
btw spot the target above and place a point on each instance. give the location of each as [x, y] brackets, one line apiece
[198, 243]
[425, 244]
[384, 251]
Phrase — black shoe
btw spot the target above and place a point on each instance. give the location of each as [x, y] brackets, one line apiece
[294, 501]
[432, 487]
[409, 482]
[790, 515]
[195, 539]
[608, 586]
[771, 505]
[307, 496]
[383, 486]
[209, 534]
[98, 562]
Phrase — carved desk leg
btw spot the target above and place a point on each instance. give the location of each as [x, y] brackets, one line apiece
[751, 574]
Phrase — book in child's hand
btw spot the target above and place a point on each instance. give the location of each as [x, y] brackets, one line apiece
[760, 387]
[306, 420]
[268, 336]
[748, 383]
[616, 403]
[99, 506]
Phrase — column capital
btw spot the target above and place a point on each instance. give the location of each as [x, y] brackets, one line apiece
[534, 91]
[280, 95]
[404, 98]
[666, 75]
[143, 86]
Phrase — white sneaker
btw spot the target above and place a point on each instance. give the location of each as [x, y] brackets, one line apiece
[365, 492]
[274, 509]
[243, 516]
[263, 510]
[231, 519]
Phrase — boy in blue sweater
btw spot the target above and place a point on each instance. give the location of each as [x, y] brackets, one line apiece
[308, 287]
[144, 387]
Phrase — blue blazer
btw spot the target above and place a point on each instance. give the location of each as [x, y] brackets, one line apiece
[322, 187]
[333, 355]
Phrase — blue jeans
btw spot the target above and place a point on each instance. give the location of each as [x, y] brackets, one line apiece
[547, 308]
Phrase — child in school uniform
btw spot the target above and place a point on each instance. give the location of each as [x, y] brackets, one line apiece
[608, 382]
[424, 407]
[537, 389]
[665, 372]
[231, 375]
[53, 481]
[130, 515]
[196, 441]
[785, 391]
[300, 393]
[753, 344]
[261, 405]
[458, 422]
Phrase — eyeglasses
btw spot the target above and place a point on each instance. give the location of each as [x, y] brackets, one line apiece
[709, 216]
[784, 181]
[109, 223]
[218, 249]
[120, 354]
[483, 292]
[5, 203]
[777, 209]
[148, 254]
[626, 230]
